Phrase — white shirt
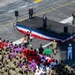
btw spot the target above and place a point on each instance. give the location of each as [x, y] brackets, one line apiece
[38, 72]
[70, 49]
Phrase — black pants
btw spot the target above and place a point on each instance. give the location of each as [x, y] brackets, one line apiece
[30, 16]
[45, 25]
[25, 44]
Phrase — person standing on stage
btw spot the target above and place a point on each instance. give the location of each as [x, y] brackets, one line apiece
[70, 51]
[44, 18]
[30, 13]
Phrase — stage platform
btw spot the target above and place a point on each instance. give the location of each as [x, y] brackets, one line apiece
[54, 29]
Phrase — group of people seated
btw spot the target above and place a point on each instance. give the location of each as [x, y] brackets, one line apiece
[20, 60]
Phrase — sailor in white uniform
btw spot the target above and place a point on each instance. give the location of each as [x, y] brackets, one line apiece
[70, 51]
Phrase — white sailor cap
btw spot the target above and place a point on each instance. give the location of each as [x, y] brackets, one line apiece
[70, 44]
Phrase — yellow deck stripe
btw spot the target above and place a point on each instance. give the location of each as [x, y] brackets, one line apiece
[37, 1]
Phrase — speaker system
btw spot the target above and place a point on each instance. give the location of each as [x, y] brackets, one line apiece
[65, 29]
[16, 14]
